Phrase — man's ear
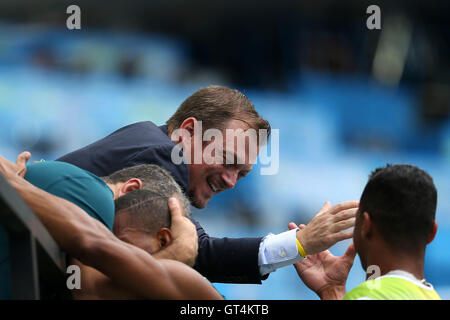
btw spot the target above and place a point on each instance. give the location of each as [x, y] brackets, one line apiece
[164, 237]
[189, 125]
[130, 185]
[433, 232]
[367, 226]
[184, 132]
[187, 130]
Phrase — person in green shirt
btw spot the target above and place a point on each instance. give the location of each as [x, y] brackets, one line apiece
[101, 198]
[123, 264]
[394, 223]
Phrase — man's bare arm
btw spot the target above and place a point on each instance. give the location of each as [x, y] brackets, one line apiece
[94, 245]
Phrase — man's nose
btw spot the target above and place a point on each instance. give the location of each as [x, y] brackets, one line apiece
[229, 177]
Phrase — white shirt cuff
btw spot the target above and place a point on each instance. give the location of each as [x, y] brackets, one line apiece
[276, 251]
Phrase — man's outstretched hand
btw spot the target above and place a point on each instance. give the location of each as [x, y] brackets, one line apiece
[328, 227]
[324, 273]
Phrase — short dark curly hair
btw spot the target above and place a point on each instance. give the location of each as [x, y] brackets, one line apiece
[401, 200]
[149, 210]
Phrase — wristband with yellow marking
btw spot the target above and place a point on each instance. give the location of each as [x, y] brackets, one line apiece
[300, 249]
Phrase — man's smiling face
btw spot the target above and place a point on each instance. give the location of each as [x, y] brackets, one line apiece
[207, 180]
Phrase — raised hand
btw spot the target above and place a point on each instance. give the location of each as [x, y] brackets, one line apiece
[9, 169]
[324, 273]
[184, 247]
[326, 228]
[21, 163]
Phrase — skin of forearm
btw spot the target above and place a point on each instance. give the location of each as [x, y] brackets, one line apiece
[150, 278]
[190, 282]
[135, 269]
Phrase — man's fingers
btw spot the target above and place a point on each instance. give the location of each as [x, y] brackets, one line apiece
[344, 206]
[23, 158]
[325, 208]
[350, 253]
[342, 236]
[175, 208]
[343, 225]
[21, 163]
[292, 225]
[345, 214]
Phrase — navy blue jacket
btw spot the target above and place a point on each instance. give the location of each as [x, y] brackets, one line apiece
[219, 259]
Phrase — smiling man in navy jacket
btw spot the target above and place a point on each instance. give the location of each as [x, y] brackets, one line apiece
[243, 260]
